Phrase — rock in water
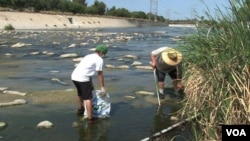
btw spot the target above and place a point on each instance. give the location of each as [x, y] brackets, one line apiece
[14, 92]
[2, 125]
[15, 102]
[45, 124]
[75, 124]
[144, 93]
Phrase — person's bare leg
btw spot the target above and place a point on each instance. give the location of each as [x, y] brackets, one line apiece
[89, 108]
[161, 87]
[161, 90]
[80, 109]
[79, 102]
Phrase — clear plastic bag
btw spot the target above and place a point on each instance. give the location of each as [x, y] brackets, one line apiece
[101, 105]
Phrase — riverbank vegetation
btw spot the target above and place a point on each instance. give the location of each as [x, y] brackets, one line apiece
[217, 72]
[9, 27]
[75, 7]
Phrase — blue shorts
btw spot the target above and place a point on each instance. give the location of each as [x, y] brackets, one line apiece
[84, 89]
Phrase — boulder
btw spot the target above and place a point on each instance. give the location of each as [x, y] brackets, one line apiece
[144, 93]
[15, 102]
[136, 63]
[130, 56]
[17, 45]
[68, 55]
[109, 66]
[144, 67]
[130, 97]
[123, 67]
[59, 81]
[3, 88]
[45, 124]
[77, 59]
[72, 45]
[14, 92]
[2, 125]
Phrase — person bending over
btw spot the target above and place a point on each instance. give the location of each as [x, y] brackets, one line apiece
[82, 79]
[166, 60]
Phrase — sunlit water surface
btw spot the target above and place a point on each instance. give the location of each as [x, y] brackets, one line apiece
[131, 119]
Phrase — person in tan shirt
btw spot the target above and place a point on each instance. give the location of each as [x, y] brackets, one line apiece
[166, 60]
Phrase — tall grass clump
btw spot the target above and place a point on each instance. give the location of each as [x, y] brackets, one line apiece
[9, 27]
[217, 72]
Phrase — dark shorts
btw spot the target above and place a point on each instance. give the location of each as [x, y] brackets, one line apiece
[84, 89]
[161, 75]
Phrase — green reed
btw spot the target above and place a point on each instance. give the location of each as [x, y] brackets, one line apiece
[217, 72]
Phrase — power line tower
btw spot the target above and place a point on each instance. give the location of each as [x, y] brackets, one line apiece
[153, 9]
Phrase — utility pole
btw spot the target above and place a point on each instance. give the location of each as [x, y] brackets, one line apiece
[153, 9]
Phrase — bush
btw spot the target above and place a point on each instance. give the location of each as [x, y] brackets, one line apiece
[9, 27]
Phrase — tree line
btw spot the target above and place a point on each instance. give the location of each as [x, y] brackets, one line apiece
[77, 7]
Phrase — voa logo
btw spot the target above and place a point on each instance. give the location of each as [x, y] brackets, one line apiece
[236, 132]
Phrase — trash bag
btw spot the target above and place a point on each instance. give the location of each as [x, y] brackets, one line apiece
[101, 105]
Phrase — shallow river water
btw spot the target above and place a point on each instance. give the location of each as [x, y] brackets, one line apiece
[32, 66]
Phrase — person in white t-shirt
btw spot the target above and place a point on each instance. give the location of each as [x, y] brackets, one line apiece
[82, 75]
[166, 60]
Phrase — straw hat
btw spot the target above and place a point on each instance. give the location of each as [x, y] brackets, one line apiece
[171, 57]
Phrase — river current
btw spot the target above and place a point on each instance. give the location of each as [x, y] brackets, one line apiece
[29, 60]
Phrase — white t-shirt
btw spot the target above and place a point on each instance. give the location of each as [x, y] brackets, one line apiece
[159, 50]
[87, 67]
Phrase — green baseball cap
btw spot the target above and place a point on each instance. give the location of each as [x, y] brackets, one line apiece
[101, 48]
